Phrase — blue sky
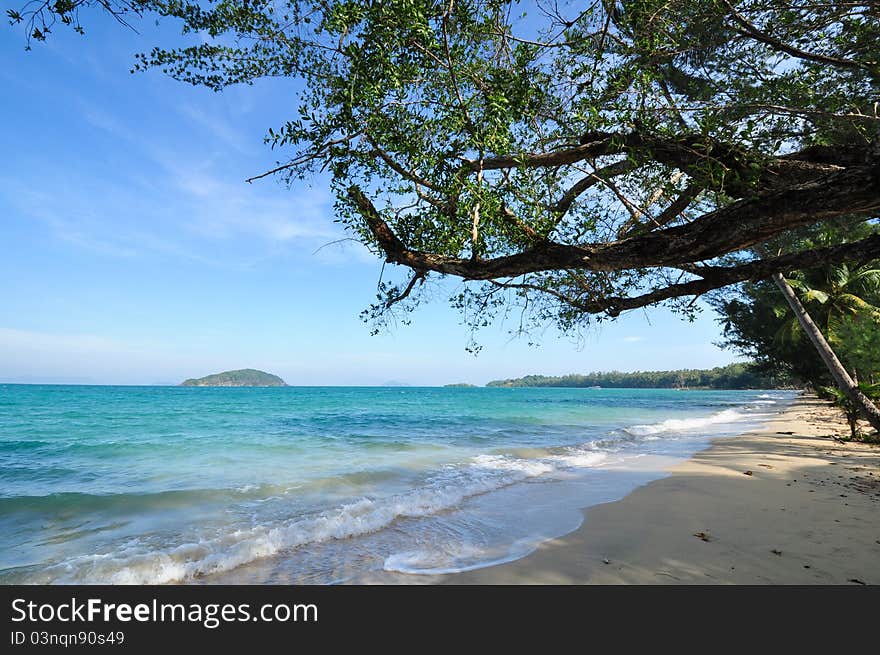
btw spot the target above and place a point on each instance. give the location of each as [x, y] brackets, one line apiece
[133, 252]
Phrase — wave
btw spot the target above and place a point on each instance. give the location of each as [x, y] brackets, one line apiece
[444, 491]
[126, 503]
[16, 445]
[580, 458]
[685, 424]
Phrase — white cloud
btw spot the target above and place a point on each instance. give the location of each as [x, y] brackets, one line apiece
[234, 209]
[103, 120]
[176, 204]
[217, 127]
[633, 339]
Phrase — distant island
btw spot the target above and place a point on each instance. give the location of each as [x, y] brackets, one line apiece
[245, 377]
[461, 385]
[732, 376]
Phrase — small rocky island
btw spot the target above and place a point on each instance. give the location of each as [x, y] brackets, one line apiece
[246, 377]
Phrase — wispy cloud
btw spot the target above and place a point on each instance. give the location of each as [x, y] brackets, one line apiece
[68, 222]
[224, 209]
[180, 202]
[633, 339]
[102, 119]
[217, 127]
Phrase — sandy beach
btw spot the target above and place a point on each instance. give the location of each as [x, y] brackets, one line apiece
[784, 505]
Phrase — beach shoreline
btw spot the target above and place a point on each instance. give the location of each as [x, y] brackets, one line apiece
[785, 504]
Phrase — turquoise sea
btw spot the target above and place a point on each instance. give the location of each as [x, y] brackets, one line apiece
[103, 484]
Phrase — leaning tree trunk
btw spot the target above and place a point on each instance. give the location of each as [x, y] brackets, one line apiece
[838, 372]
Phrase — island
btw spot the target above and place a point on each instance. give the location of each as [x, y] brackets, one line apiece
[245, 377]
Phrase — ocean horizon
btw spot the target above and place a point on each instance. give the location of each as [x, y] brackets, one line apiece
[157, 484]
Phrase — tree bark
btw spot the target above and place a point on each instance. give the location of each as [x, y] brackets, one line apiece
[838, 372]
[854, 191]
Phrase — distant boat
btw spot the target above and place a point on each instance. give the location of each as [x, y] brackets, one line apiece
[594, 387]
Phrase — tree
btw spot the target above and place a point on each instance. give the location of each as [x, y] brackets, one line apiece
[757, 323]
[861, 336]
[859, 401]
[582, 161]
[837, 299]
[841, 295]
[838, 291]
[732, 376]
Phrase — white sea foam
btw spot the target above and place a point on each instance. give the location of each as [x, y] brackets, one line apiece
[579, 458]
[432, 561]
[453, 558]
[527, 467]
[685, 424]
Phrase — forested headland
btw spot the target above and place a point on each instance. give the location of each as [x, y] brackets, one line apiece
[732, 376]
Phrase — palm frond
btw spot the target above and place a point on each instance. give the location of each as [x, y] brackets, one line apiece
[853, 304]
[867, 279]
[815, 295]
[790, 332]
[797, 284]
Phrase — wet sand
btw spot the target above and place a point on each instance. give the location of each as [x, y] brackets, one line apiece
[783, 505]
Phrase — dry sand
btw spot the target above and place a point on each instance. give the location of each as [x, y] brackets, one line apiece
[784, 505]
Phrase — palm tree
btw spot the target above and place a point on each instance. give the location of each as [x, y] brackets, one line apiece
[835, 296]
[841, 377]
[839, 291]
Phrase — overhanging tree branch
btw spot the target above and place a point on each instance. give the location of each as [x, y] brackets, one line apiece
[852, 191]
[715, 277]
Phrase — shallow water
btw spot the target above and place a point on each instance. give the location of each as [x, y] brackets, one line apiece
[318, 485]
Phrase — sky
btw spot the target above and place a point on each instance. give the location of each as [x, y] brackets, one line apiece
[133, 252]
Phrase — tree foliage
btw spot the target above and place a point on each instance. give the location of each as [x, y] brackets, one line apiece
[843, 299]
[570, 159]
[732, 376]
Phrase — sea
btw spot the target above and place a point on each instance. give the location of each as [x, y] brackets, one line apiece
[321, 485]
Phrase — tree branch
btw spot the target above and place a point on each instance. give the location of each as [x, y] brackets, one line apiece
[418, 277]
[604, 144]
[672, 211]
[601, 175]
[690, 153]
[400, 170]
[715, 277]
[750, 30]
[853, 191]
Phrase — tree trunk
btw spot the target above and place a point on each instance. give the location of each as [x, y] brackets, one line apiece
[846, 384]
